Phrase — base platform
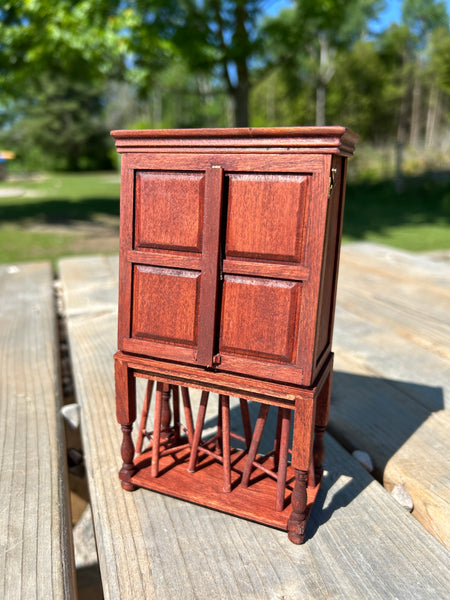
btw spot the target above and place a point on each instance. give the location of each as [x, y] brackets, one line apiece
[204, 486]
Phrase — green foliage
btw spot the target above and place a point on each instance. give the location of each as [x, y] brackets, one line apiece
[55, 59]
[215, 39]
[71, 70]
[423, 16]
[363, 93]
[62, 128]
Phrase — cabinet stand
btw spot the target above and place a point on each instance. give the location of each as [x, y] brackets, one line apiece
[276, 489]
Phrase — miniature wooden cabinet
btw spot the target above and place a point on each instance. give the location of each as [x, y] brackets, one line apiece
[229, 250]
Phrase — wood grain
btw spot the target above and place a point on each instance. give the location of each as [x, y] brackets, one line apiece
[359, 542]
[36, 556]
[392, 379]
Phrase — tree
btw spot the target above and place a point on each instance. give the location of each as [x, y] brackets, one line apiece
[363, 94]
[55, 58]
[218, 39]
[311, 34]
[62, 128]
[422, 17]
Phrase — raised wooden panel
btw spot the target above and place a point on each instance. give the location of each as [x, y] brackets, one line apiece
[165, 305]
[169, 210]
[265, 216]
[259, 318]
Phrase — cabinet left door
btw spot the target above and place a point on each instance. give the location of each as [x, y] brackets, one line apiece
[168, 260]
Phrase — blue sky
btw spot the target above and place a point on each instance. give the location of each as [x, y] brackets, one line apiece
[391, 14]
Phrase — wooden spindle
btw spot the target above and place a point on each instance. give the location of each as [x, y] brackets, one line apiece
[188, 414]
[246, 422]
[256, 439]
[176, 414]
[224, 403]
[198, 431]
[156, 430]
[283, 445]
[144, 416]
[318, 451]
[165, 412]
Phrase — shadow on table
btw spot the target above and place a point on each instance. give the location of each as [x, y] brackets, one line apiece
[367, 413]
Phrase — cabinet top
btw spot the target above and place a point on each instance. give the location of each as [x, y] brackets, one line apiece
[328, 140]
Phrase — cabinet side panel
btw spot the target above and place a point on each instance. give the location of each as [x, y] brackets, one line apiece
[126, 243]
[314, 247]
[328, 283]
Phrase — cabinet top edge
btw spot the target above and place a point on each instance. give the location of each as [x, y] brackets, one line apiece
[334, 140]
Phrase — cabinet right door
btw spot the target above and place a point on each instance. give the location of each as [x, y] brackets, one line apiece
[265, 328]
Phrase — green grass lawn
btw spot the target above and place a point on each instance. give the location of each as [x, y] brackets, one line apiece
[63, 214]
[58, 215]
[415, 219]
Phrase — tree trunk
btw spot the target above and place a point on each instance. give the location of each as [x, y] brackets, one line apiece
[240, 99]
[432, 114]
[242, 87]
[156, 107]
[321, 94]
[414, 132]
[326, 72]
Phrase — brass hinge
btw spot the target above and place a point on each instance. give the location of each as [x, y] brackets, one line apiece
[332, 181]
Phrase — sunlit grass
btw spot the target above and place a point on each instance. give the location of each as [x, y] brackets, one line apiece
[57, 215]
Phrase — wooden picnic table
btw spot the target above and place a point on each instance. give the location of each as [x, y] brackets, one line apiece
[391, 386]
[36, 555]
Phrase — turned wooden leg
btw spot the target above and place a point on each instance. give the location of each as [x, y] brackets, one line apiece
[302, 447]
[297, 520]
[321, 422]
[126, 415]
[127, 451]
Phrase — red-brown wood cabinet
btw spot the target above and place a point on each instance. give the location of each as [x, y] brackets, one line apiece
[229, 249]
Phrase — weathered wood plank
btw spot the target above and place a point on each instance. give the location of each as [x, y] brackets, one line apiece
[399, 263]
[420, 373]
[361, 543]
[408, 444]
[36, 557]
[389, 387]
[411, 305]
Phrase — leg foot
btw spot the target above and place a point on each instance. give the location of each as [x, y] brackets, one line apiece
[297, 520]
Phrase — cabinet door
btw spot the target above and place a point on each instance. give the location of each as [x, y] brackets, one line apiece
[174, 263]
[263, 274]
